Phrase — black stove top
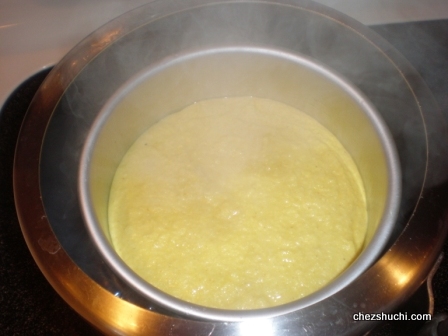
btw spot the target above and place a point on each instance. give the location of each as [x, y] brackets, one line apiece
[28, 303]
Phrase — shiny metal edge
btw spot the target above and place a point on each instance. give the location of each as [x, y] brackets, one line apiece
[115, 316]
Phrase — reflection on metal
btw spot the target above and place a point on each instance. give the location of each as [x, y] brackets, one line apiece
[106, 39]
[9, 25]
[401, 275]
[260, 327]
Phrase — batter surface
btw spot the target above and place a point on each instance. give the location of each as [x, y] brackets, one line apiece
[237, 203]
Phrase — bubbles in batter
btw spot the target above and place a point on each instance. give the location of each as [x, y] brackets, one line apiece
[237, 203]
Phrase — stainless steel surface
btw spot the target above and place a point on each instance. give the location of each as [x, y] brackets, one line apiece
[48, 207]
[234, 72]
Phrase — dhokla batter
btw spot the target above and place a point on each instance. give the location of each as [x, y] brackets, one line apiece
[237, 203]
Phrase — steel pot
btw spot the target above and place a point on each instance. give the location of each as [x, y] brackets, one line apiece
[62, 113]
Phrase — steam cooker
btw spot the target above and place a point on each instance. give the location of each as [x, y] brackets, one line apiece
[65, 106]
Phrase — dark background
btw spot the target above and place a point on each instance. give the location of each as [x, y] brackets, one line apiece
[30, 306]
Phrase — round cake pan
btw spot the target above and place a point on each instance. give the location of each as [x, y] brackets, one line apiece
[234, 72]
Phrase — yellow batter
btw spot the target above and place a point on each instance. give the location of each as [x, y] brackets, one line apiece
[237, 203]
